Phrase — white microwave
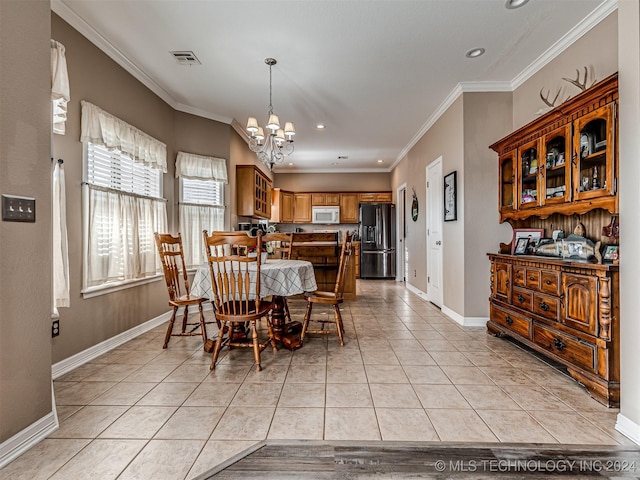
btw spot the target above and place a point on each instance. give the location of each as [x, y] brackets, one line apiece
[325, 215]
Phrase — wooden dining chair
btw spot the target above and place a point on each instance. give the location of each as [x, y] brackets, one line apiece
[333, 298]
[175, 275]
[279, 245]
[235, 283]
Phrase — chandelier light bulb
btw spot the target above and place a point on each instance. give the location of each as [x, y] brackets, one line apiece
[274, 122]
[259, 135]
[289, 130]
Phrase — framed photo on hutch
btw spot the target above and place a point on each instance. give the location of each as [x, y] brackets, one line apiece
[533, 234]
[450, 210]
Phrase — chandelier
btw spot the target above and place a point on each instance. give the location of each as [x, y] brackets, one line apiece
[278, 143]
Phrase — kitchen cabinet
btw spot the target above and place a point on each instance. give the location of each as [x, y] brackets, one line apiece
[281, 206]
[564, 161]
[378, 197]
[349, 208]
[569, 311]
[325, 199]
[253, 192]
[302, 208]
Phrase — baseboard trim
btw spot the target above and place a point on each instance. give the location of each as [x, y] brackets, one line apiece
[413, 289]
[464, 321]
[628, 428]
[27, 438]
[80, 358]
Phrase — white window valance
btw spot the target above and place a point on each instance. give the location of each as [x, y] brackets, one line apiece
[102, 128]
[198, 167]
[60, 93]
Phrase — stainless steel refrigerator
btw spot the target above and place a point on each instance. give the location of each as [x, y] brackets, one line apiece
[378, 240]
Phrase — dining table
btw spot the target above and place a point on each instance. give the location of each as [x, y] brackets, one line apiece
[278, 279]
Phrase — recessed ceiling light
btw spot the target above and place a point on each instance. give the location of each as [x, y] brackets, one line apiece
[475, 52]
[290, 164]
[321, 126]
[380, 161]
[511, 4]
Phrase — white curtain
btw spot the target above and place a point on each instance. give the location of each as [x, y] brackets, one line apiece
[193, 220]
[196, 218]
[121, 243]
[60, 246]
[60, 94]
[197, 167]
[103, 128]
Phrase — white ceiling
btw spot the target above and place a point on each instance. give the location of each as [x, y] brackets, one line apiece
[376, 72]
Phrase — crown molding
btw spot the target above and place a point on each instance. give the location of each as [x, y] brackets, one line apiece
[181, 107]
[69, 16]
[596, 16]
[467, 87]
[331, 170]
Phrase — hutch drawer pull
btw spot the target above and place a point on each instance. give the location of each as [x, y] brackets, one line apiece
[548, 282]
[559, 344]
[544, 306]
[521, 299]
[533, 279]
[509, 320]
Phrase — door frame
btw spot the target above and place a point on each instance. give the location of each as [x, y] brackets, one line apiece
[401, 213]
[440, 301]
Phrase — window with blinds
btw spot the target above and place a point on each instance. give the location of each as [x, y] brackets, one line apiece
[202, 192]
[115, 170]
[124, 208]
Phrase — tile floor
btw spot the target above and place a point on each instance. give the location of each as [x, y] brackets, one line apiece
[406, 373]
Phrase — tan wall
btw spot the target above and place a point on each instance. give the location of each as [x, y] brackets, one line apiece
[482, 230]
[333, 182]
[629, 126]
[444, 138]
[25, 256]
[96, 78]
[597, 50]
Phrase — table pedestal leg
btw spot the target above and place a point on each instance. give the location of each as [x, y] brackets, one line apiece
[287, 333]
[277, 317]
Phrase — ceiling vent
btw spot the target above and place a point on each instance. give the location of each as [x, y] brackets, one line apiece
[185, 57]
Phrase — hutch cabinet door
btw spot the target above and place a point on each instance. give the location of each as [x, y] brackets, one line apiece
[529, 175]
[580, 302]
[502, 281]
[593, 153]
[556, 171]
[507, 182]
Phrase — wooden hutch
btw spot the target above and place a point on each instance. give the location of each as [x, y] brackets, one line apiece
[553, 172]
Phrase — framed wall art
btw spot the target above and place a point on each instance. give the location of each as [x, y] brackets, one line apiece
[450, 207]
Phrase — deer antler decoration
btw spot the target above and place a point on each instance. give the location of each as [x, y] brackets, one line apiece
[546, 99]
[582, 86]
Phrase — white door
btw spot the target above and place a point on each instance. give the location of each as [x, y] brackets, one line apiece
[401, 250]
[434, 232]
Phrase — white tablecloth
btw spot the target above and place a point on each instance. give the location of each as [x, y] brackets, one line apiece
[277, 277]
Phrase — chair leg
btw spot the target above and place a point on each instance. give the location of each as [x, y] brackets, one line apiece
[286, 310]
[184, 318]
[170, 327]
[339, 327]
[305, 322]
[214, 309]
[272, 339]
[216, 349]
[256, 345]
[203, 326]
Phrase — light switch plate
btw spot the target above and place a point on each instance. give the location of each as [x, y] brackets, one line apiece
[18, 209]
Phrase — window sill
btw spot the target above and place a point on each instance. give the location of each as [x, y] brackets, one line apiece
[112, 287]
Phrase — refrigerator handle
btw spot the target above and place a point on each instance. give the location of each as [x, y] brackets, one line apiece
[378, 226]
